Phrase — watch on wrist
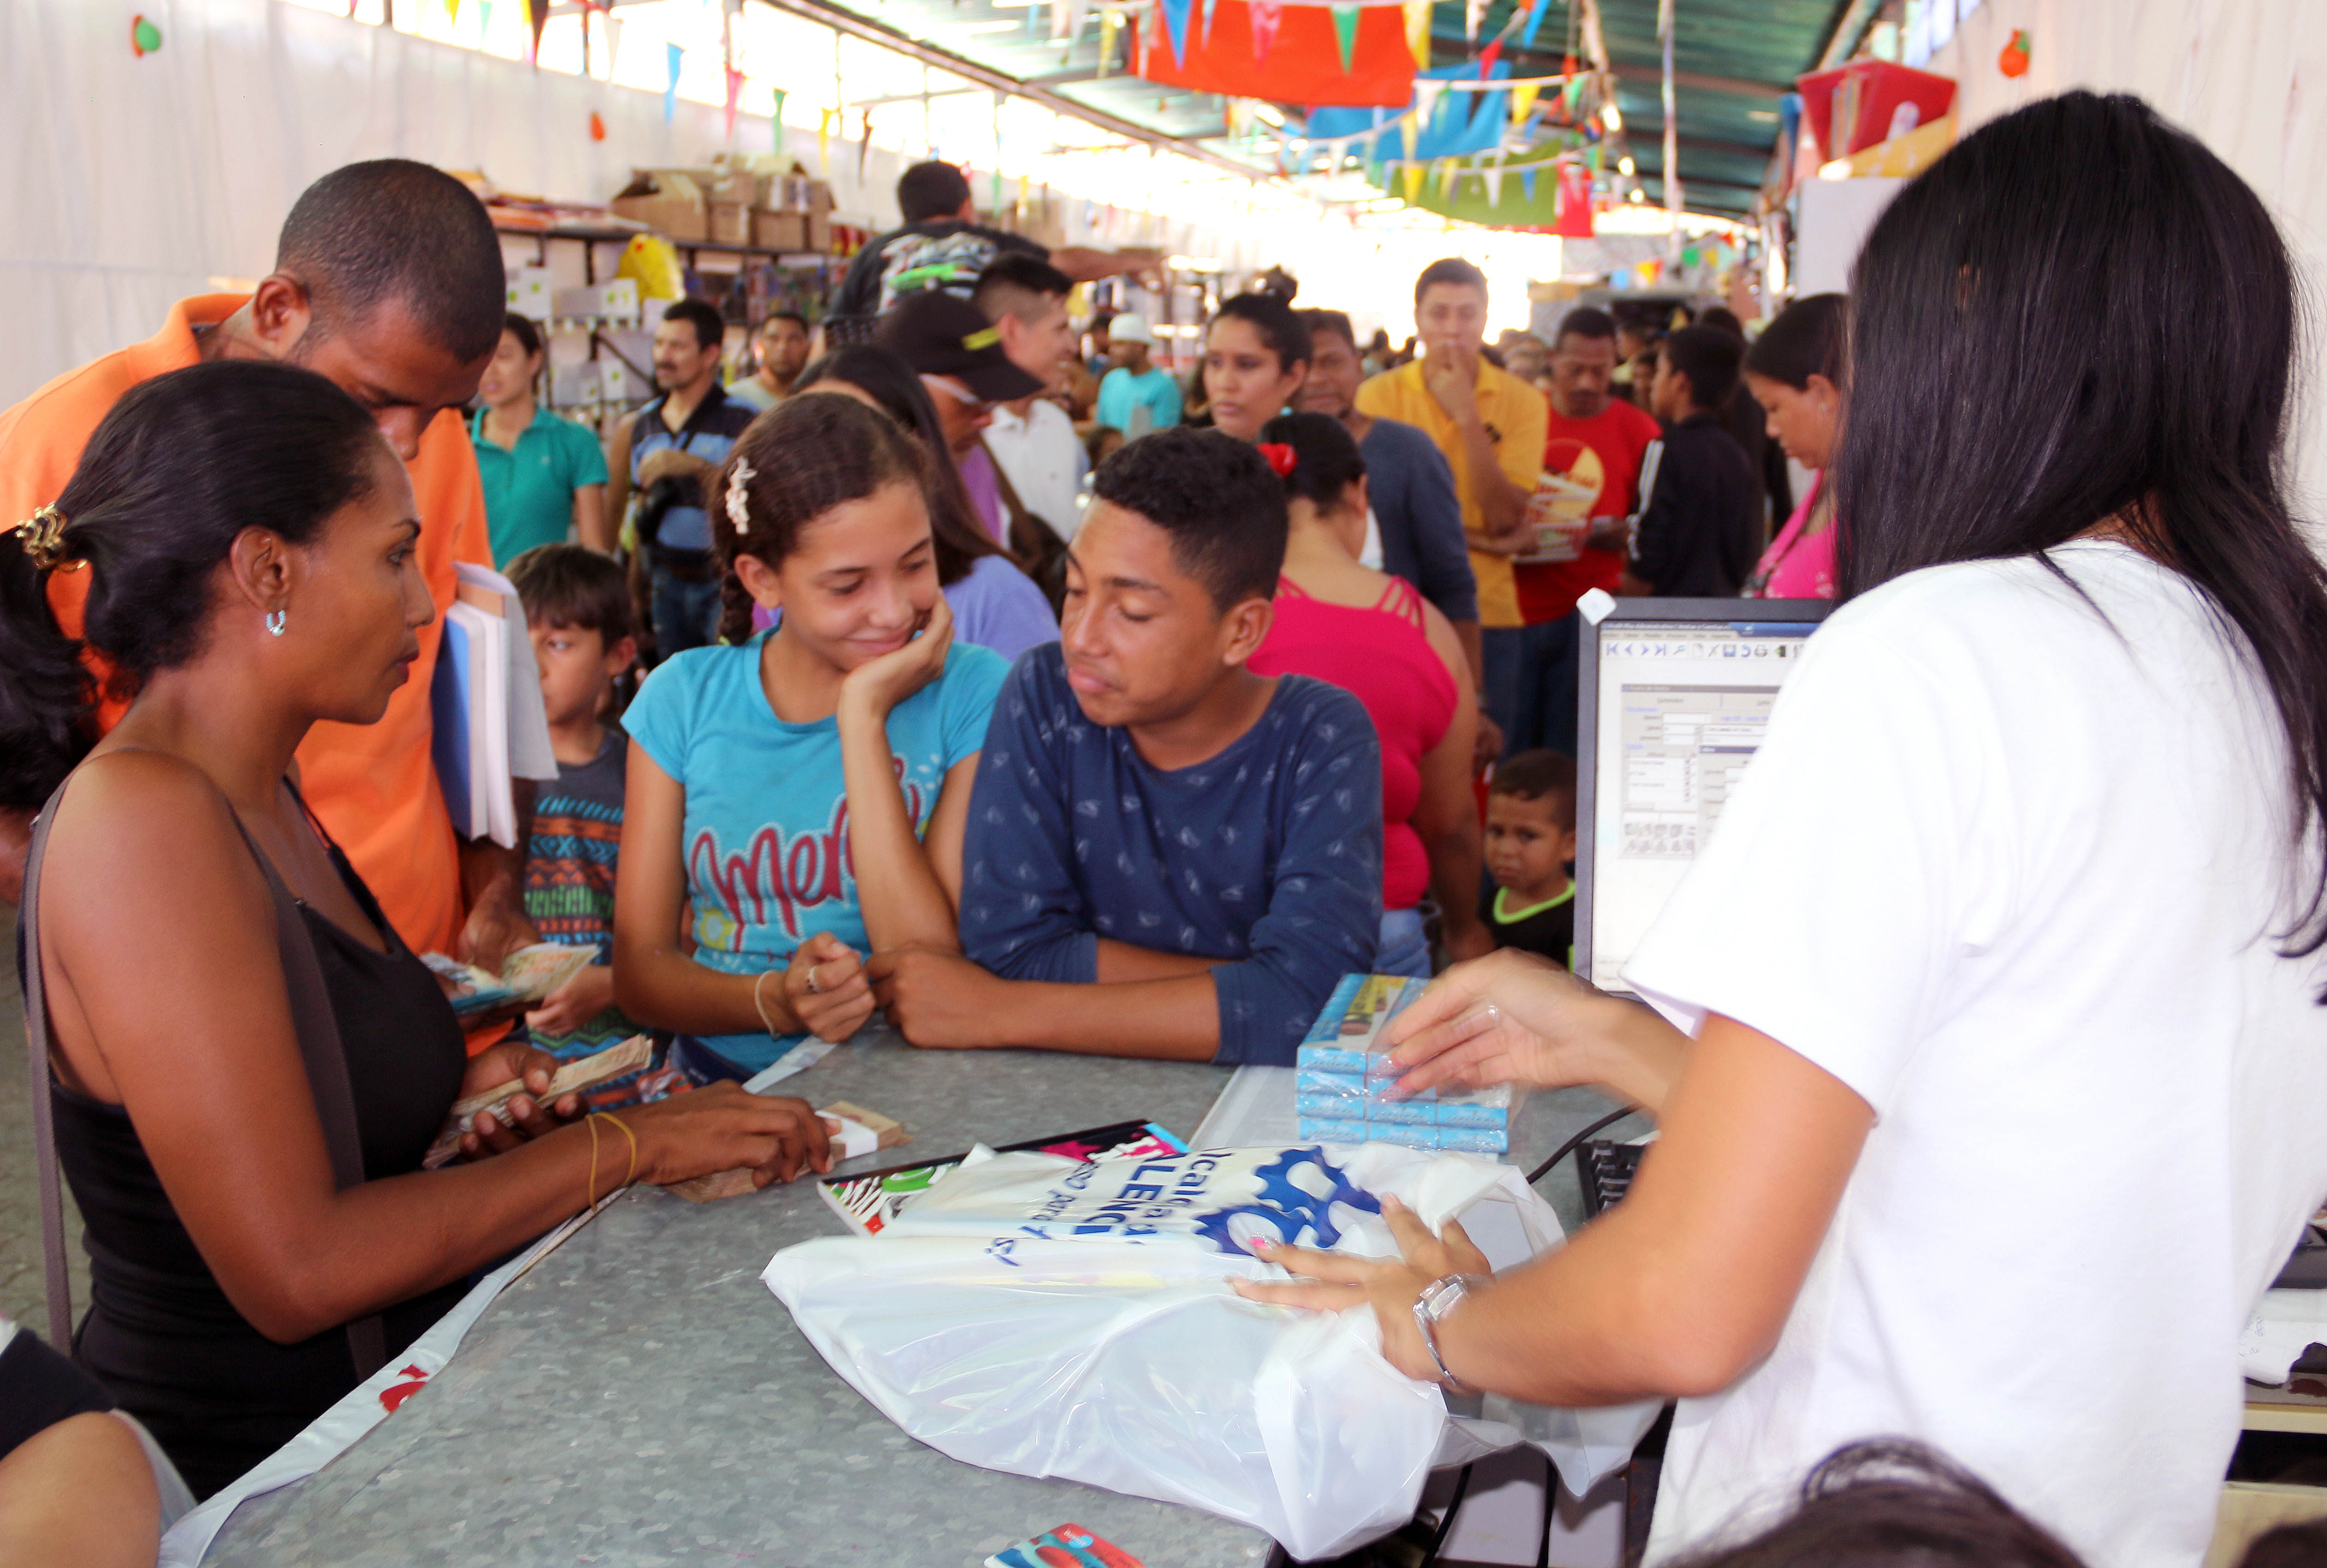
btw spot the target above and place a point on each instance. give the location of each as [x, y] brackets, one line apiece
[1439, 1298]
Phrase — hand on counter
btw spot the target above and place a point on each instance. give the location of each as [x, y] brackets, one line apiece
[939, 1000]
[529, 1118]
[1331, 1280]
[825, 989]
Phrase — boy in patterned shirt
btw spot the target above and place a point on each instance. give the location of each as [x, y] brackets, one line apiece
[577, 607]
[1167, 855]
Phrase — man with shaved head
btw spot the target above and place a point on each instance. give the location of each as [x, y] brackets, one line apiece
[389, 281]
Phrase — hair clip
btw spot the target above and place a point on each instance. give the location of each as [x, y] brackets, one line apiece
[43, 537]
[1282, 459]
[738, 508]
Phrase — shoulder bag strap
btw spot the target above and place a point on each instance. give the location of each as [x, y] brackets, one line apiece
[318, 1049]
[327, 1071]
[44, 1128]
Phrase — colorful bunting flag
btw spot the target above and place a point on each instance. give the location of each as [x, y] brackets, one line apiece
[670, 87]
[1209, 7]
[1267, 17]
[1427, 95]
[1345, 31]
[1527, 181]
[1413, 174]
[1533, 21]
[1474, 13]
[1523, 101]
[776, 124]
[735, 97]
[1493, 178]
[1417, 31]
[1176, 25]
[1410, 128]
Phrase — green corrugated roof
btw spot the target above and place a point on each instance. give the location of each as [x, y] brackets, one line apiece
[1732, 60]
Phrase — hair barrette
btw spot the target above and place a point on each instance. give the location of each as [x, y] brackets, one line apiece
[43, 537]
[1282, 459]
[739, 511]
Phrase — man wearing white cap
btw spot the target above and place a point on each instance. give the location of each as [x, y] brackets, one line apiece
[1135, 397]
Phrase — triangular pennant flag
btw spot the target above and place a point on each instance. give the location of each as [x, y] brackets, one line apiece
[1445, 176]
[1487, 58]
[1267, 15]
[1527, 181]
[1409, 128]
[1418, 33]
[864, 146]
[824, 119]
[1413, 172]
[613, 42]
[1427, 94]
[484, 18]
[1491, 179]
[776, 124]
[1337, 153]
[1533, 21]
[452, 13]
[1474, 13]
[1175, 23]
[1523, 101]
[735, 97]
[672, 53]
[1345, 33]
[536, 17]
[1209, 6]
[1110, 24]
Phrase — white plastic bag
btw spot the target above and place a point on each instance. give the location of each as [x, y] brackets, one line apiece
[1050, 1318]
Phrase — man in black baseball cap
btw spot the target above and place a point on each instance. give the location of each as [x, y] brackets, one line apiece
[959, 355]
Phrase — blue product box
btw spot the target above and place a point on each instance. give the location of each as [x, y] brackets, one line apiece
[1475, 1108]
[1329, 1107]
[1328, 1027]
[1327, 1131]
[1310, 1081]
[1416, 1113]
[1332, 1058]
[1473, 1140]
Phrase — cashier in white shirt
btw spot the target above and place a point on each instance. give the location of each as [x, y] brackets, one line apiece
[1996, 1092]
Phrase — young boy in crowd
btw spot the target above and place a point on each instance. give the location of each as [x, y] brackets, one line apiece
[1167, 855]
[577, 608]
[1530, 842]
[1700, 525]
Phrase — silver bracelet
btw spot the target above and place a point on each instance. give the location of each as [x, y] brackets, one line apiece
[1439, 1298]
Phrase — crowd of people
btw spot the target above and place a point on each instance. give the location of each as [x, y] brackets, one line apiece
[858, 707]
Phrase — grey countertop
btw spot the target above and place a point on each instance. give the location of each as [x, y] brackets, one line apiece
[640, 1399]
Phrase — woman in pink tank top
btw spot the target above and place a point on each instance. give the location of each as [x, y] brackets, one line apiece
[1791, 370]
[1375, 637]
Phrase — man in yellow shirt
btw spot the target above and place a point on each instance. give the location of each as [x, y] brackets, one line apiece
[1491, 425]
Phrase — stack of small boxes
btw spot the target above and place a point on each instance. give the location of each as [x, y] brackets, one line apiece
[1343, 1078]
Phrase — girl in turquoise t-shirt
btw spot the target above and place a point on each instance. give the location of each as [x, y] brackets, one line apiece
[797, 799]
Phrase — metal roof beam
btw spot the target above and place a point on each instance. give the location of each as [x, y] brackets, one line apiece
[1698, 82]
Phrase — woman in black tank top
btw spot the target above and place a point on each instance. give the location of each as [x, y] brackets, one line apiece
[248, 1064]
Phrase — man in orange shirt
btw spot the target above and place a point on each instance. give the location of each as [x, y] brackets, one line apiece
[387, 281]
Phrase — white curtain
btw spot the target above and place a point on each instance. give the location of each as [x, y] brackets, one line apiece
[2242, 75]
[129, 183]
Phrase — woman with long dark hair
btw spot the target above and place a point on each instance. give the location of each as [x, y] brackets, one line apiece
[995, 604]
[1794, 372]
[248, 1064]
[1994, 1056]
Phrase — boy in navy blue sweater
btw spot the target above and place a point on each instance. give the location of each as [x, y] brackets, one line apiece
[1167, 855]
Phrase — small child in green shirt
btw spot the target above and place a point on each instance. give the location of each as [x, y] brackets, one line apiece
[1530, 844]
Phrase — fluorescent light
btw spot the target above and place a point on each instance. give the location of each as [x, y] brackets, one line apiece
[1611, 116]
[1624, 164]
[1836, 169]
[1759, 117]
[1639, 194]
[1269, 113]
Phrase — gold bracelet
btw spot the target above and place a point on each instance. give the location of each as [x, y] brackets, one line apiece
[624, 1128]
[761, 1007]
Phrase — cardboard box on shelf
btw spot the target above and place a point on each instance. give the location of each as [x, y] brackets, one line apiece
[780, 230]
[731, 223]
[819, 231]
[739, 186]
[617, 301]
[580, 382]
[666, 200]
[819, 197]
[615, 382]
[529, 291]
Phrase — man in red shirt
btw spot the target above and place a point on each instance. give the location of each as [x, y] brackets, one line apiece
[1592, 452]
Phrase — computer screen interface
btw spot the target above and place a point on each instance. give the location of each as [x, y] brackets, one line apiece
[1682, 707]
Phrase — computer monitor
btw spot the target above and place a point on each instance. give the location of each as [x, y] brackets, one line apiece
[1675, 695]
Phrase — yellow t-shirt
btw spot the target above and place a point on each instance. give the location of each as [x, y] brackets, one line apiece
[1515, 416]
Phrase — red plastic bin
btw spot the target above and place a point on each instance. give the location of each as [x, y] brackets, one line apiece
[1868, 95]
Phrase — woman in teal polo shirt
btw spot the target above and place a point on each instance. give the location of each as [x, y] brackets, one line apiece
[542, 474]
